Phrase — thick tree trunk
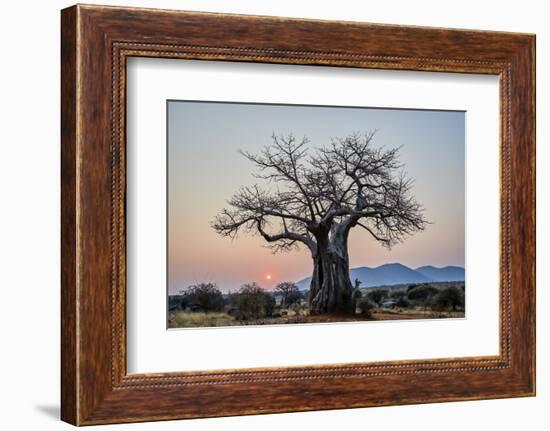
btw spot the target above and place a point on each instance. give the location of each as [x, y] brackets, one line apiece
[331, 290]
[339, 247]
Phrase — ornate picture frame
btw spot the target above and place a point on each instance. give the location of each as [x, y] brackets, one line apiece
[96, 41]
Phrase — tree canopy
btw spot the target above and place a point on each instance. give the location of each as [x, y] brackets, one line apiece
[347, 181]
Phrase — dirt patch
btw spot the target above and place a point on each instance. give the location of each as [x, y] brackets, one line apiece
[414, 314]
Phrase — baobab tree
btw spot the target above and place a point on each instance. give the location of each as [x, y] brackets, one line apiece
[314, 198]
[290, 293]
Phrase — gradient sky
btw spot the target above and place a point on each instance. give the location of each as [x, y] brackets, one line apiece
[205, 169]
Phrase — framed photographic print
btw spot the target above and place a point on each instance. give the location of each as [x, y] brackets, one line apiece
[310, 204]
[266, 215]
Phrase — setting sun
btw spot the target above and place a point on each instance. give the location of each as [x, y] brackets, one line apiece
[268, 277]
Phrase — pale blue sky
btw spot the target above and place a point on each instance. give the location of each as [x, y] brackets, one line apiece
[205, 169]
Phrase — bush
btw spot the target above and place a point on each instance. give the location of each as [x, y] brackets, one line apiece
[450, 297]
[206, 296]
[377, 295]
[366, 307]
[421, 292]
[412, 286]
[402, 302]
[400, 298]
[269, 307]
[398, 294]
[254, 302]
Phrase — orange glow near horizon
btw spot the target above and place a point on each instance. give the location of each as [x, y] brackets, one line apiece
[268, 277]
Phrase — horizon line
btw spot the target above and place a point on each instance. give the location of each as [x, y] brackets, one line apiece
[359, 267]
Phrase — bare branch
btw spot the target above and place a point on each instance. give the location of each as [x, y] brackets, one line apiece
[348, 183]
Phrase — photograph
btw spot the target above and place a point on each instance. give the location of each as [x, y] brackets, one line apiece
[291, 214]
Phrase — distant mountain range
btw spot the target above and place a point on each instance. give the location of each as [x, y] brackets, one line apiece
[396, 273]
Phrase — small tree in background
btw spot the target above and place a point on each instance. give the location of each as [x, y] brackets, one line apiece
[290, 293]
[254, 302]
[206, 295]
[377, 295]
[421, 292]
[450, 297]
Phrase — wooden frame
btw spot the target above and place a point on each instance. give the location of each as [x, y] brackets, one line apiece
[96, 41]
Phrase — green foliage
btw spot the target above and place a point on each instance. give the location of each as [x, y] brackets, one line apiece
[411, 287]
[421, 292]
[174, 302]
[365, 307]
[254, 302]
[289, 292]
[377, 295]
[269, 306]
[402, 302]
[397, 294]
[206, 296]
[449, 298]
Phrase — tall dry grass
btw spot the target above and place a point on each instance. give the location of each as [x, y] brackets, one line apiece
[182, 319]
